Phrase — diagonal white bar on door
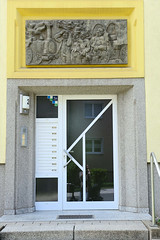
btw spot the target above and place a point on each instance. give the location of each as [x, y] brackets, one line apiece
[72, 159]
[89, 126]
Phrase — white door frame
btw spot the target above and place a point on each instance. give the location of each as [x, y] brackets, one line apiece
[57, 205]
[90, 204]
[62, 204]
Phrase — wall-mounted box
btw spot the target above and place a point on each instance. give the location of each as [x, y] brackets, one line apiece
[24, 104]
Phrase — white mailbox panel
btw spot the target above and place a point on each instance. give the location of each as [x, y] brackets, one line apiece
[25, 104]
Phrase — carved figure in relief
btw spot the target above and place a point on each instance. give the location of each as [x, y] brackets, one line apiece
[99, 43]
[76, 42]
[117, 48]
[75, 49]
[64, 39]
[85, 49]
[80, 49]
[33, 30]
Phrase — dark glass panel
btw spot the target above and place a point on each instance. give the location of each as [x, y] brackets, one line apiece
[45, 108]
[100, 162]
[46, 189]
[98, 146]
[89, 146]
[88, 110]
[99, 151]
[74, 183]
[97, 108]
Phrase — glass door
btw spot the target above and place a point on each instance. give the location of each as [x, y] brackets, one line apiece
[90, 150]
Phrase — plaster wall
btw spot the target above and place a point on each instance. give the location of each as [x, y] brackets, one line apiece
[132, 166]
[20, 11]
[152, 75]
[3, 78]
[13, 51]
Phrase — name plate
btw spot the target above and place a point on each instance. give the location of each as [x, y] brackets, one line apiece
[76, 42]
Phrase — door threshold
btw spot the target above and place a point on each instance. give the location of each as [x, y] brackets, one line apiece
[99, 215]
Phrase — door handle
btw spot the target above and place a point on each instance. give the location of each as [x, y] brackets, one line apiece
[67, 163]
[72, 159]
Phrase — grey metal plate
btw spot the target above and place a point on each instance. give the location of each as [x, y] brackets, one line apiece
[75, 217]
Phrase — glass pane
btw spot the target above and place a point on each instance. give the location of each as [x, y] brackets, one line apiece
[74, 183]
[100, 186]
[98, 145]
[46, 108]
[99, 152]
[89, 146]
[76, 120]
[88, 110]
[46, 189]
[97, 108]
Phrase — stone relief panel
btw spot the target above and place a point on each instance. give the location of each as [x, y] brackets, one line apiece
[76, 42]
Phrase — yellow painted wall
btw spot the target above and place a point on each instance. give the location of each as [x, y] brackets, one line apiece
[152, 74]
[21, 10]
[3, 46]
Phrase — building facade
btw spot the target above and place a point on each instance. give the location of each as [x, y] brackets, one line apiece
[77, 93]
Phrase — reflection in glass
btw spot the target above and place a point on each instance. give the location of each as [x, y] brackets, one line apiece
[100, 159]
[94, 146]
[46, 189]
[88, 110]
[74, 185]
[92, 109]
[89, 146]
[99, 151]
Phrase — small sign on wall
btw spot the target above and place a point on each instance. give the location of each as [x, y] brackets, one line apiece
[24, 135]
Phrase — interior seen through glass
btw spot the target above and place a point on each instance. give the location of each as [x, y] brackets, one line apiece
[98, 152]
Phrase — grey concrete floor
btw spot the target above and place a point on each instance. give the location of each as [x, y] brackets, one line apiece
[98, 215]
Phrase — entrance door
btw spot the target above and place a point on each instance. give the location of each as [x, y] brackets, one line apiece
[82, 174]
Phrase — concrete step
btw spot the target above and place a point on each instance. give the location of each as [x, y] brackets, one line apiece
[75, 230]
[154, 231]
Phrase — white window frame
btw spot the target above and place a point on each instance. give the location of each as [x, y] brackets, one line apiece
[89, 204]
[93, 144]
[62, 204]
